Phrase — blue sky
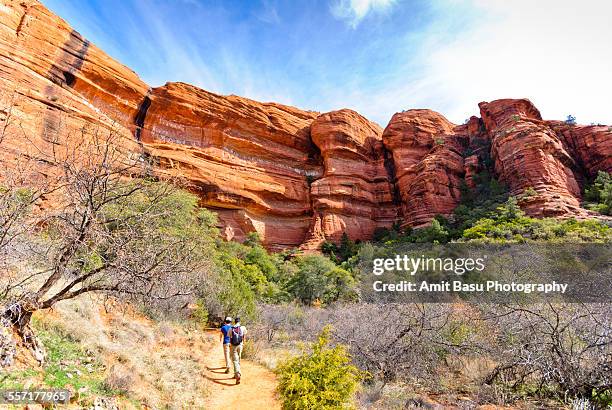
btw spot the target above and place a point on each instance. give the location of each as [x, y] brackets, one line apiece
[375, 56]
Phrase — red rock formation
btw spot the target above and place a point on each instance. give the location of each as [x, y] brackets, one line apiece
[355, 194]
[294, 176]
[529, 154]
[591, 145]
[246, 159]
[427, 154]
[54, 82]
[249, 159]
[472, 166]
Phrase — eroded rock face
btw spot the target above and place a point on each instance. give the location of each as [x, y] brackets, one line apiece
[428, 159]
[248, 160]
[355, 194]
[528, 153]
[591, 145]
[296, 177]
[53, 82]
[251, 160]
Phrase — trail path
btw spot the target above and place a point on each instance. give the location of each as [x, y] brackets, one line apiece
[257, 389]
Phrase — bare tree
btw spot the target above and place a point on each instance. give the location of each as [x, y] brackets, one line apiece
[113, 228]
[390, 341]
[14, 207]
[564, 348]
[23, 182]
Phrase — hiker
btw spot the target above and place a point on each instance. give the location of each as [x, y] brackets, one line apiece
[237, 334]
[225, 338]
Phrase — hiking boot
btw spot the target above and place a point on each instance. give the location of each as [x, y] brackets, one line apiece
[237, 378]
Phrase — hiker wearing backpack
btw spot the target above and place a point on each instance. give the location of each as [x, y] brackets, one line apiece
[225, 339]
[237, 334]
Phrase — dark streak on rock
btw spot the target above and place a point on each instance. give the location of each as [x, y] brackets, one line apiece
[22, 20]
[141, 115]
[73, 61]
[72, 57]
[391, 175]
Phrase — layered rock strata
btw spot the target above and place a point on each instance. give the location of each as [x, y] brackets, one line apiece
[296, 177]
[355, 194]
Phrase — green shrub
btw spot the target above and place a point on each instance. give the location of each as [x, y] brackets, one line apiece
[249, 262]
[437, 232]
[321, 377]
[480, 202]
[330, 250]
[434, 233]
[381, 234]
[528, 193]
[509, 224]
[318, 278]
[310, 179]
[598, 195]
[342, 252]
[237, 296]
[260, 258]
[347, 248]
[200, 313]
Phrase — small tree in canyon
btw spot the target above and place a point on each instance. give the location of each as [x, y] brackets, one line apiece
[22, 185]
[112, 228]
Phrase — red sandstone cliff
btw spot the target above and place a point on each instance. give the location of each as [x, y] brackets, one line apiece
[355, 194]
[296, 177]
[249, 161]
[528, 153]
[429, 167]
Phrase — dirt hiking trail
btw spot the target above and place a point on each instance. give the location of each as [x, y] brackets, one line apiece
[257, 389]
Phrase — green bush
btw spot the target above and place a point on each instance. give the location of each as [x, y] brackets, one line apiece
[434, 233]
[200, 313]
[236, 297]
[598, 195]
[330, 250]
[480, 202]
[347, 248]
[509, 224]
[249, 273]
[381, 234]
[321, 377]
[342, 252]
[318, 278]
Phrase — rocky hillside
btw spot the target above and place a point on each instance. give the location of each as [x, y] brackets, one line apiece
[296, 177]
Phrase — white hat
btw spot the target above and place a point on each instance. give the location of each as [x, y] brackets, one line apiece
[228, 319]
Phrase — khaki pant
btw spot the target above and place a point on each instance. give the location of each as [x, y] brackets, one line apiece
[236, 353]
[226, 353]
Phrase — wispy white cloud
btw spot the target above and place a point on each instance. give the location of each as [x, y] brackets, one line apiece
[555, 53]
[460, 53]
[164, 53]
[354, 11]
[552, 52]
[268, 13]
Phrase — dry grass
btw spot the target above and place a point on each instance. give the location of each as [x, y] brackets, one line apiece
[270, 357]
[154, 364]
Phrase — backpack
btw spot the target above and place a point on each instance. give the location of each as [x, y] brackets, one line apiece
[236, 338]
